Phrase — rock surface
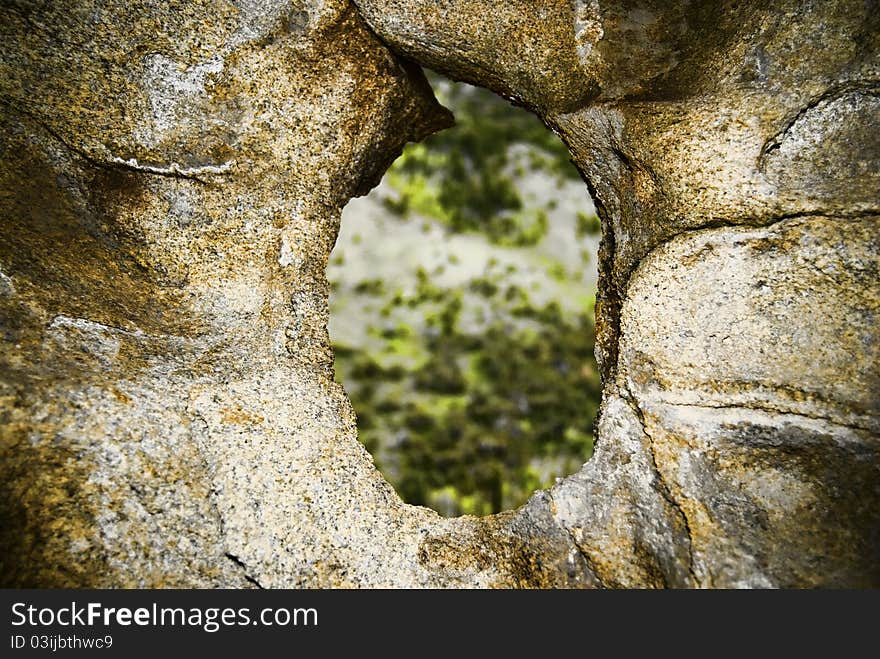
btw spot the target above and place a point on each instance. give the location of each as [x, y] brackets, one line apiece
[171, 189]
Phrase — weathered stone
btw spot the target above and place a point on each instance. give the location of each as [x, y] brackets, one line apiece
[171, 185]
[752, 357]
[740, 364]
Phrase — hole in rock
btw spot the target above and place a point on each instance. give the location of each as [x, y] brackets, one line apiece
[462, 311]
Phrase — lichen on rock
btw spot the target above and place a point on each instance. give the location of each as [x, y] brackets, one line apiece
[171, 190]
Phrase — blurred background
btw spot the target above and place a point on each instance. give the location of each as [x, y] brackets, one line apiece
[461, 312]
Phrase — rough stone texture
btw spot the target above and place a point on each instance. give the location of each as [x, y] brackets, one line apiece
[171, 183]
[733, 153]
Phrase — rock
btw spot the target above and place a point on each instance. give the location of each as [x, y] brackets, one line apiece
[171, 189]
[750, 356]
[735, 165]
[526, 53]
[171, 193]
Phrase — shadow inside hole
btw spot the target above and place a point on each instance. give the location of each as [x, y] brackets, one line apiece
[462, 311]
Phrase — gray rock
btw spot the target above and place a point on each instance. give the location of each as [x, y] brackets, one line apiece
[171, 189]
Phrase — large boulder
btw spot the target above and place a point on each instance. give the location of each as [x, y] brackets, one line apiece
[733, 153]
[170, 193]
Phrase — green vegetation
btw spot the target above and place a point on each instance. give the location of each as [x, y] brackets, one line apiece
[477, 425]
[463, 176]
[471, 396]
[588, 225]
